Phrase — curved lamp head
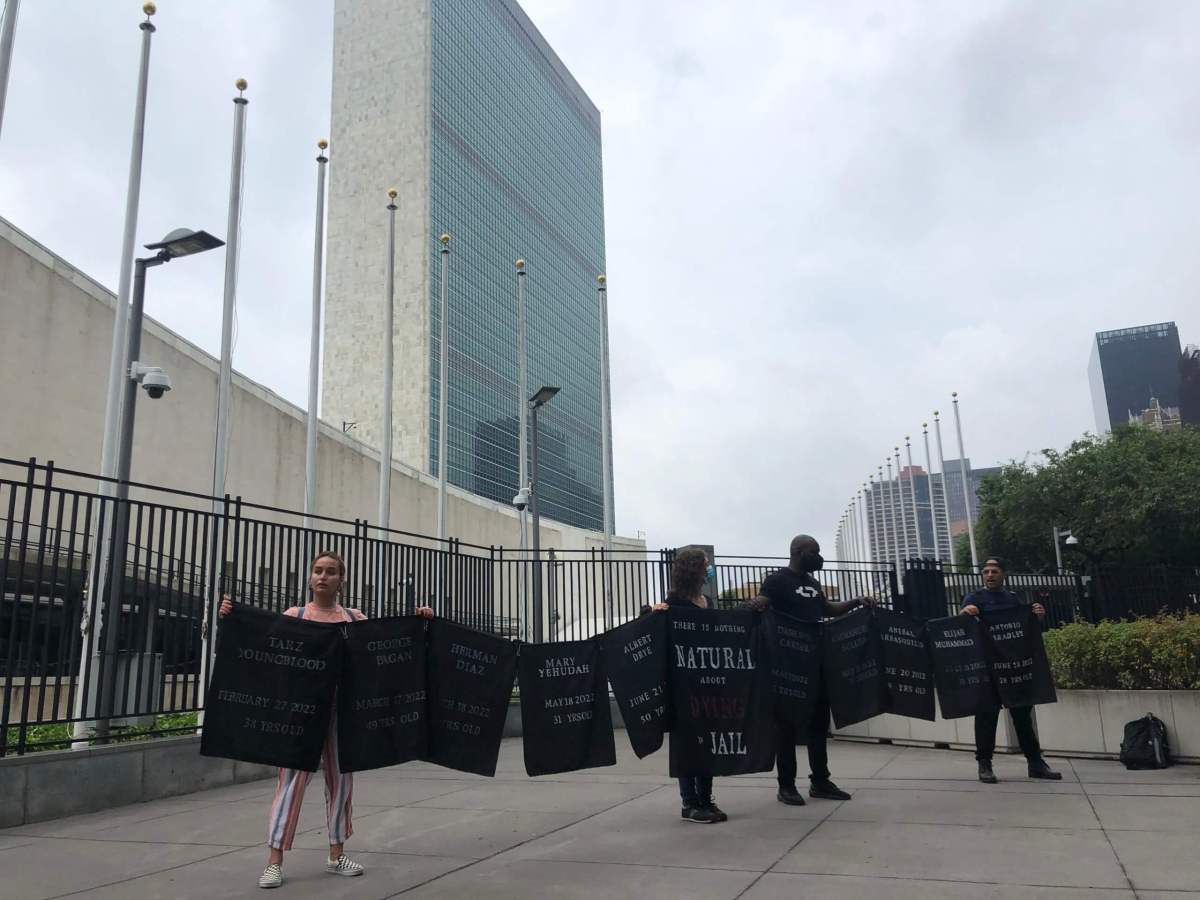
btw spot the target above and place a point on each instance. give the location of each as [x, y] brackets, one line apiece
[185, 242]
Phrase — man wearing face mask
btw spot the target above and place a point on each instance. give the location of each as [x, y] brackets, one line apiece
[794, 591]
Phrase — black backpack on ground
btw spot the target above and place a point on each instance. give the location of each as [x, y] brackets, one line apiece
[1145, 745]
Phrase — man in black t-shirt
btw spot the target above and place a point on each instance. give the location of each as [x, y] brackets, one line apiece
[794, 591]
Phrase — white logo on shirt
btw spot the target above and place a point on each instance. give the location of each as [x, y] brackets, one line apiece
[805, 591]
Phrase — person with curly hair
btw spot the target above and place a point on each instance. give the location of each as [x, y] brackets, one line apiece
[689, 571]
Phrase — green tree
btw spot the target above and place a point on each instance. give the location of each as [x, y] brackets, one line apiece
[962, 552]
[1132, 497]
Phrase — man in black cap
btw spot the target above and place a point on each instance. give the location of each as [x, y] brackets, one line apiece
[794, 591]
[993, 598]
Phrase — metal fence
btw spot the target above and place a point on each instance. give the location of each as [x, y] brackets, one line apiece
[98, 653]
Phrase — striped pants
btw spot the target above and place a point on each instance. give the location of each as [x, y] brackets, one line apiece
[289, 794]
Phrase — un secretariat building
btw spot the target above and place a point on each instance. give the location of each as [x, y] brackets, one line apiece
[464, 108]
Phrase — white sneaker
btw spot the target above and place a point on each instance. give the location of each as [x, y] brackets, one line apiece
[343, 865]
[272, 876]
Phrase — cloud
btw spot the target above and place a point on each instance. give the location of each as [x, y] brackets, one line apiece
[821, 219]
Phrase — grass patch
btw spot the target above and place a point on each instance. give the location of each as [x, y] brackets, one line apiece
[58, 736]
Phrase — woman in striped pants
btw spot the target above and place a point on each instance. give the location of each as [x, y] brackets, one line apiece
[325, 579]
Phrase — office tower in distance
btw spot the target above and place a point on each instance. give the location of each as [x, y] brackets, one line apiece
[889, 510]
[1131, 366]
[465, 109]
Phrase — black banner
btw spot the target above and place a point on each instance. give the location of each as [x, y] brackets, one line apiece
[721, 694]
[566, 723]
[382, 712]
[272, 687]
[795, 653]
[1017, 656]
[852, 664]
[907, 668]
[960, 668]
[471, 678]
[637, 662]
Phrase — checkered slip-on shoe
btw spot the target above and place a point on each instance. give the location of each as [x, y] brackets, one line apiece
[343, 865]
[272, 876]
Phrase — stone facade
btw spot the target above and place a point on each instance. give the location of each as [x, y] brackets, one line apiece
[379, 139]
[54, 349]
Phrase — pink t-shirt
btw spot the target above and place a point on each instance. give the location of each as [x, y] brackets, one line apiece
[335, 613]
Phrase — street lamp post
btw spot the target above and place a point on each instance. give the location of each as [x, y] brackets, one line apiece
[606, 447]
[536, 402]
[443, 389]
[181, 242]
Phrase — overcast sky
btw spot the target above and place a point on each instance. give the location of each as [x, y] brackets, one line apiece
[821, 218]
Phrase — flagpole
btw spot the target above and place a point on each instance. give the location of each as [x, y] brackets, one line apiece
[6, 50]
[937, 545]
[900, 502]
[872, 503]
[606, 471]
[116, 362]
[117, 366]
[912, 496]
[232, 235]
[314, 344]
[937, 430]
[962, 467]
[225, 373]
[891, 507]
[889, 554]
[385, 445]
[848, 526]
[862, 514]
[860, 539]
[443, 388]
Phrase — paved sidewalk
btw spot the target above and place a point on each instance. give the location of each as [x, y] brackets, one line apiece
[919, 826]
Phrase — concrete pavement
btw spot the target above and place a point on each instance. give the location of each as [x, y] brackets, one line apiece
[920, 826]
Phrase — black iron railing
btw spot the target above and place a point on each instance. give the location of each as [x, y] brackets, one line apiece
[86, 659]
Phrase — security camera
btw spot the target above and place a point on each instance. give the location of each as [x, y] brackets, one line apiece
[154, 381]
[521, 500]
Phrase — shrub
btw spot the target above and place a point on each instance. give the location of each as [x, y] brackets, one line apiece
[1162, 653]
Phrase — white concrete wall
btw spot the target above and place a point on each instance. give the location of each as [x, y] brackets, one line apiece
[55, 336]
[379, 139]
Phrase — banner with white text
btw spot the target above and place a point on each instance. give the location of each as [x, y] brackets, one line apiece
[471, 677]
[722, 694]
[637, 660]
[271, 693]
[566, 722]
[382, 717]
